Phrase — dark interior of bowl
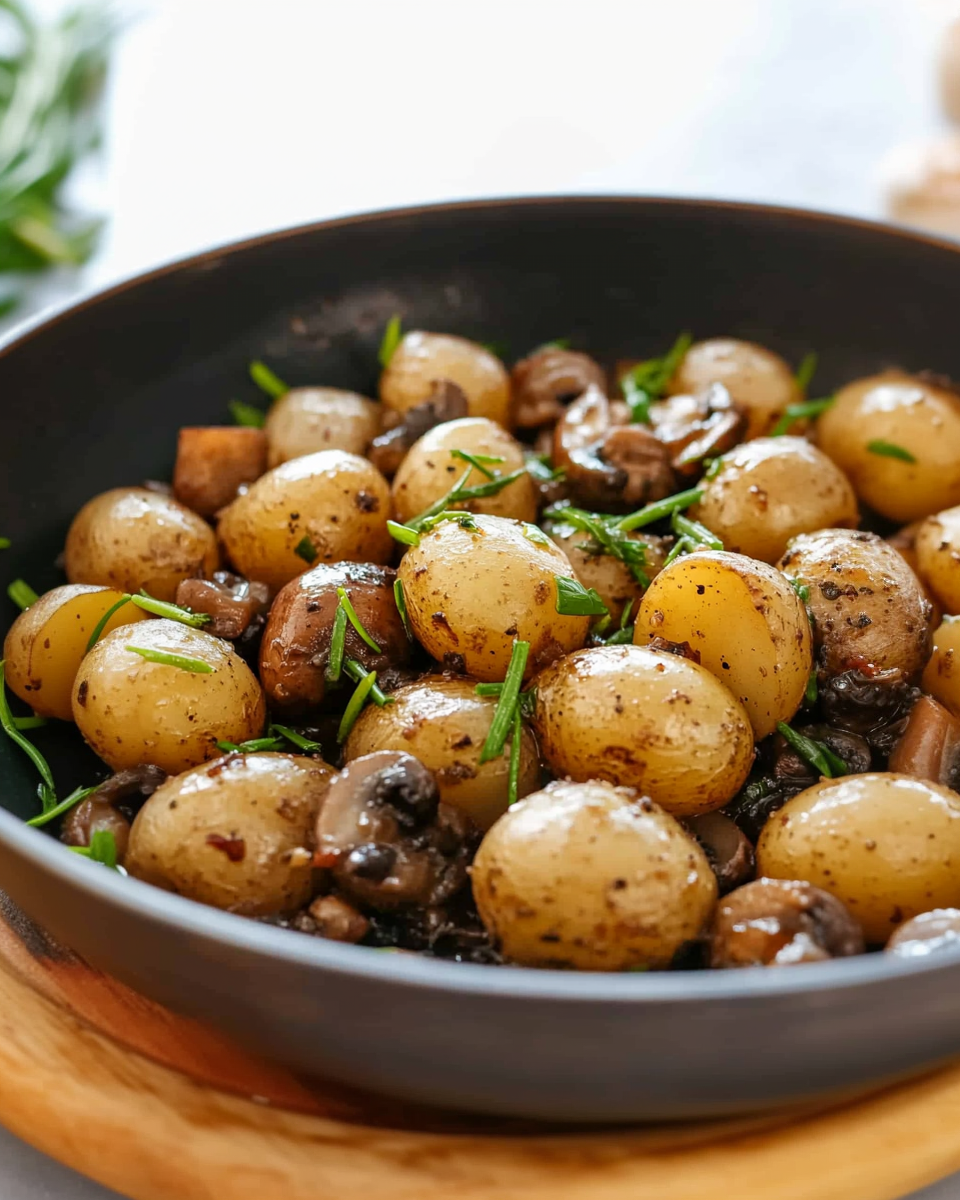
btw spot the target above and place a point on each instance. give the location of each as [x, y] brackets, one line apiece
[94, 397]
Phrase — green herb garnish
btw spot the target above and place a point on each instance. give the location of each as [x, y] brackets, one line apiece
[253, 746]
[482, 462]
[606, 536]
[890, 450]
[34, 722]
[102, 623]
[810, 694]
[802, 589]
[516, 741]
[807, 370]
[804, 411]
[392, 337]
[306, 550]
[266, 381]
[47, 790]
[500, 349]
[574, 600]
[557, 344]
[173, 612]
[401, 602]
[647, 381]
[698, 534]
[355, 620]
[337, 643]
[460, 493]
[357, 673]
[660, 509]
[182, 661]
[681, 546]
[102, 849]
[296, 739]
[505, 715]
[465, 520]
[624, 635]
[5, 543]
[247, 414]
[533, 533]
[22, 594]
[712, 467]
[355, 705]
[818, 755]
[403, 534]
[64, 806]
[538, 465]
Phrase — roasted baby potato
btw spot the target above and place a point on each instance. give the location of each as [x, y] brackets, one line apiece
[472, 592]
[322, 508]
[591, 876]
[646, 719]
[745, 624]
[236, 833]
[941, 678]
[305, 420]
[885, 845]
[767, 491]
[937, 548]
[422, 358]
[214, 462]
[897, 438]
[132, 538]
[133, 710]
[442, 721]
[45, 645]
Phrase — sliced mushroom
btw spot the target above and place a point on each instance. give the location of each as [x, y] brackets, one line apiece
[697, 427]
[780, 922]
[233, 603]
[447, 402]
[337, 920]
[727, 848]
[931, 932]
[385, 838]
[929, 747]
[111, 807]
[871, 703]
[546, 381]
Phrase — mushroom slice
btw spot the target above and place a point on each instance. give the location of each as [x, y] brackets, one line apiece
[387, 840]
[727, 848]
[232, 602]
[447, 402]
[929, 747]
[779, 922]
[546, 381]
[697, 427]
[929, 933]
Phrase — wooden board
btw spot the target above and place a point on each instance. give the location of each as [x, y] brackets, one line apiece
[161, 1108]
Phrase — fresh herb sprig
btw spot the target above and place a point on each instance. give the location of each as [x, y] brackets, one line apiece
[698, 534]
[361, 694]
[890, 450]
[504, 718]
[22, 594]
[817, 754]
[805, 410]
[274, 740]
[460, 493]
[400, 599]
[247, 414]
[659, 510]
[267, 381]
[47, 790]
[647, 381]
[64, 806]
[102, 849]
[806, 371]
[164, 658]
[606, 538]
[482, 462]
[392, 336]
[574, 600]
[159, 608]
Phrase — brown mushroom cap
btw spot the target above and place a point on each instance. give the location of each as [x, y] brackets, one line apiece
[447, 402]
[231, 601]
[547, 380]
[697, 427]
[385, 838]
[92, 816]
[931, 932]
[727, 848]
[779, 922]
[929, 747]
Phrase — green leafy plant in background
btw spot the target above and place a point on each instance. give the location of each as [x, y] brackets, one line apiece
[51, 78]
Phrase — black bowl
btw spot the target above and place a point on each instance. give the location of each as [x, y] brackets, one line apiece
[93, 397]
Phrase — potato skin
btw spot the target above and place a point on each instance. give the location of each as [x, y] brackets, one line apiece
[421, 358]
[645, 719]
[305, 420]
[471, 593]
[941, 677]
[442, 721]
[591, 876]
[44, 646]
[868, 606]
[746, 622]
[760, 382]
[429, 471]
[886, 845]
[937, 548]
[608, 576]
[131, 711]
[132, 538]
[769, 490]
[236, 833]
[339, 501]
[906, 411]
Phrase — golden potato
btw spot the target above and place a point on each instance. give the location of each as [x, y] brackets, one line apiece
[471, 593]
[429, 471]
[908, 413]
[131, 710]
[422, 358]
[442, 721]
[609, 577]
[769, 490]
[645, 719]
[937, 548]
[325, 507]
[132, 538]
[307, 419]
[868, 606]
[591, 876]
[746, 623]
[236, 833]
[941, 678]
[44, 646]
[760, 383]
[886, 845]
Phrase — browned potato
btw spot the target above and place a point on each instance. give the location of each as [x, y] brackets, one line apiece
[295, 650]
[885, 845]
[745, 622]
[769, 490]
[941, 678]
[911, 415]
[236, 833]
[645, 719]
[760, 383]
[305, 420]
[868, 606]
[471, 593]
[324, 507]
[591, 876]
[213, 462]
[132, 538]
[609, 577]
[45, 645]
[938, 557]
[421, 358]
[429, 471]
[132, 710]
[442, 721]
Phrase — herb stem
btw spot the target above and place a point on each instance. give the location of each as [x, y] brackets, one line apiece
[355, 620]
[164, 658]
[64, 806]
[267, 381]
[660, 509]
[355, 705]
[337, 643]
[506, 706]
[819, 756]
[392, 336]
[48, 792]
[22, 594]
[358, 673]
[696, 532]
[516, 740]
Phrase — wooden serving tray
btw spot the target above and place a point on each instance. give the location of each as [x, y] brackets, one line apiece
[160, 1107]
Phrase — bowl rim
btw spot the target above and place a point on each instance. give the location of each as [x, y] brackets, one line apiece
[193, 919]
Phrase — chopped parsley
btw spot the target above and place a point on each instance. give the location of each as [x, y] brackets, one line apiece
[574, 600]
[22, 594]
[306, 550]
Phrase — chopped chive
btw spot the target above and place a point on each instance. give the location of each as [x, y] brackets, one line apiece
[64, 806]
[337, 643]
[802, 589]
[247, 414]
[606, 538]
[401, 602]
[488, 689]
[482, 462]
[600, 627]
[465, 520]
[623, 637]
[647, 381]
[228, 747]
[819, 756]
[890, 450]
[357, 673]
[807, 370]
[392, 336]
[355, 705]
[535, 534]
[297, 739]
[574, 600]
[712, 467]
[682, 546]
[253, 746]
[355, 620]
[5, 543]
[173, 612]
[102, 623]
[306, 550]
[810, 695]
[503, 718]
[460, 493]
[660, 509]
[516, 741]
[695, 532]
[166, 659]
[22, 594]
[538, 465]
[403, 534]
[34, 722]
[628, 609]
[102, 849]
[48, 792]
[804, 411]
[266, 381]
